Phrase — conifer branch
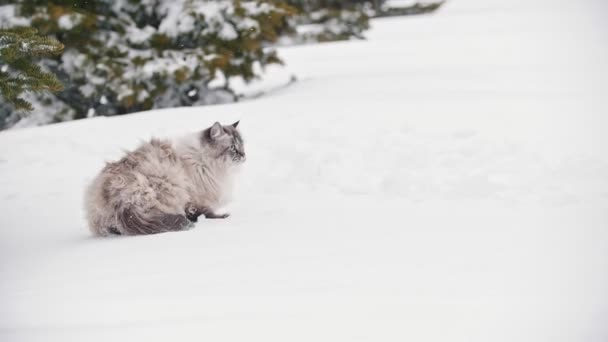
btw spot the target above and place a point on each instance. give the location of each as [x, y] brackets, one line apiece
[19, 47]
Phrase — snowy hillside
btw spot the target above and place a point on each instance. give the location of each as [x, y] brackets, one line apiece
[445, 180]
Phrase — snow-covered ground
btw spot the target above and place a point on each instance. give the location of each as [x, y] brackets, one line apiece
[445, 180]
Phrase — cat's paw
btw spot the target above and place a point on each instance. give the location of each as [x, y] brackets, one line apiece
[192, 217]
[192, 213]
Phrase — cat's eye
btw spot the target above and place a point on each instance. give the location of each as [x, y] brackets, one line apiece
[233, 149]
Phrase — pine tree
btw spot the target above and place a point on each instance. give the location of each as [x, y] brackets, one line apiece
[123, 56]
[332, 20]
[19, 47]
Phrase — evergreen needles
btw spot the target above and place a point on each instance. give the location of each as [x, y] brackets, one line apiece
[19, 48]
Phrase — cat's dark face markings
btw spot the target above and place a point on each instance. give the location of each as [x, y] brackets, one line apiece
[226, 141]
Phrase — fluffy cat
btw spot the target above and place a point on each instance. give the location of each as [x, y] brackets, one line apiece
[165, 185]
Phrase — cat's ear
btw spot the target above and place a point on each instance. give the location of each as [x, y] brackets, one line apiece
[216, 130]
[236, 124]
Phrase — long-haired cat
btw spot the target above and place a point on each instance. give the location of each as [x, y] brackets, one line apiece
[165, 185]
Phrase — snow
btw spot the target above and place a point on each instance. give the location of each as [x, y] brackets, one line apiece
[87, 89]
[248, 24]
[257, 8]
[169, 61]
[124, 91]
[8, 17]
[174, 21]
[444, 180]
[67, 22]
[227, 32]
[140, 35]
[406, 3]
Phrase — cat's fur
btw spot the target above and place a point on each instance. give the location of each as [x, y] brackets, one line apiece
[165, 185]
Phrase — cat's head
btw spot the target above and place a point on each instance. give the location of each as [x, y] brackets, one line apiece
[225, 143]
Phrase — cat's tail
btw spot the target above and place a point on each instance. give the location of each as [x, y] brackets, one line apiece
[133, 222]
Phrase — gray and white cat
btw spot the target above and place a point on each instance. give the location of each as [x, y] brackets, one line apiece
[165, 185]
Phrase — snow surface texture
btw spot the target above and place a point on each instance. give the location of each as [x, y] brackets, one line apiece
[446, 180]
